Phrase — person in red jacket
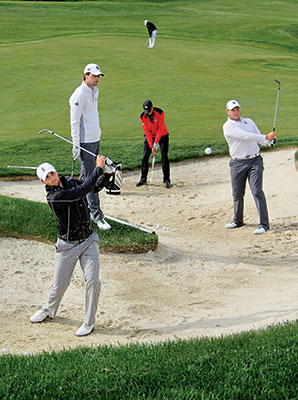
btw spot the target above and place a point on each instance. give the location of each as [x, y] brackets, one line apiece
[156, 135]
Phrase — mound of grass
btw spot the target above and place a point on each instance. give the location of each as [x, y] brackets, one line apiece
[32, 220]
[255, 365]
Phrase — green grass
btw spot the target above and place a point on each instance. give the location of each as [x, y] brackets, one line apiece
[33, 152]
[33, 220]
[206, 53]
[255, 365]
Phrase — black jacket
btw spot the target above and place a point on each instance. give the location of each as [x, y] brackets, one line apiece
[70, 207]
[151, 27]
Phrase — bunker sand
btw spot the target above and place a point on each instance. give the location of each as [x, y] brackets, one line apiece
[201, 281]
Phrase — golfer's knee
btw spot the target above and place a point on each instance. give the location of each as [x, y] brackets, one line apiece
[94, 284]
[259, 194]
[238, 196]
[60, 289]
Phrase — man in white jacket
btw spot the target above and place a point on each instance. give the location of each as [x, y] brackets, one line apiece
[86, 132]
[244, 137]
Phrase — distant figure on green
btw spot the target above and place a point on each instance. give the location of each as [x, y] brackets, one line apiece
[152, 30]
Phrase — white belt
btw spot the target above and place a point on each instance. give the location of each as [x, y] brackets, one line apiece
[246, 157]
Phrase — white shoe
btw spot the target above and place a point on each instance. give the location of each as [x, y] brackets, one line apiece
[85, 330]
[39, 316]
[233, 225]
[103, 225]
[260, 229]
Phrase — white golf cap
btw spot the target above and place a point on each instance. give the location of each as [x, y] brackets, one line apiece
[43, 170]
[146, 21]
[232, 104]
[93, 69]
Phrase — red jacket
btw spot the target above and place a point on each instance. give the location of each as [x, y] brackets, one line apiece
[154, 131]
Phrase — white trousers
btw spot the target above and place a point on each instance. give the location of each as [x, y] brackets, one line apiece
[66, 257]
[152, 39]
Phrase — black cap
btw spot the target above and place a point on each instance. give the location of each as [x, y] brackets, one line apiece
[147, 105]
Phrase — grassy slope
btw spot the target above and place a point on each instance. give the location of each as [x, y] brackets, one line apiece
[206, 53]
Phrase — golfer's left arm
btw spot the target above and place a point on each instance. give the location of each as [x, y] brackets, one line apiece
[237, 133]
[270, 136]
[80, 191]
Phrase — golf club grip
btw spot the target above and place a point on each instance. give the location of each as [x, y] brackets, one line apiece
[273, 141]
[73, 167]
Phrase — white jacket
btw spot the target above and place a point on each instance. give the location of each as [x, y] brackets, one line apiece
[84, 118]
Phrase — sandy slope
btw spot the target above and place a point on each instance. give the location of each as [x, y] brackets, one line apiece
[201, 281]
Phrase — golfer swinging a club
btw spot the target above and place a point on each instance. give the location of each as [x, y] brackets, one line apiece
[243, 137]
[77, 240]
[152, 31]
[156, 134]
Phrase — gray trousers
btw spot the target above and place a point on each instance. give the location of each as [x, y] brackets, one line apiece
[66, 257]
[88, 163]
[251, 170]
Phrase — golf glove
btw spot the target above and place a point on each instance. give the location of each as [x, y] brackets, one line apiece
[108, 167]
[269, 143]
[76, 152]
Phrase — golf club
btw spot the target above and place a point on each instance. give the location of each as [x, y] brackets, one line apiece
[152, 171]
[68, 141]
[274, 124]
[145, 43]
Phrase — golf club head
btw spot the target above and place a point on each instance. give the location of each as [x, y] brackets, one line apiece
[45, 130]
[275, 80]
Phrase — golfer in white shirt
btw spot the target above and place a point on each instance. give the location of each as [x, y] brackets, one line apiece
[86, 132]
[243, 138]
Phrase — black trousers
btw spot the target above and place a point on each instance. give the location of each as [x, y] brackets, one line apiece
[164, 148]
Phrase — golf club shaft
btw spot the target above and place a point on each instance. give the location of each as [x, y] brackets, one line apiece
[152, 169]
[276, 107]
[68, 141]
[20, 166]
[73, 167]
[275, 116]
[120, 221]
[145, 43]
